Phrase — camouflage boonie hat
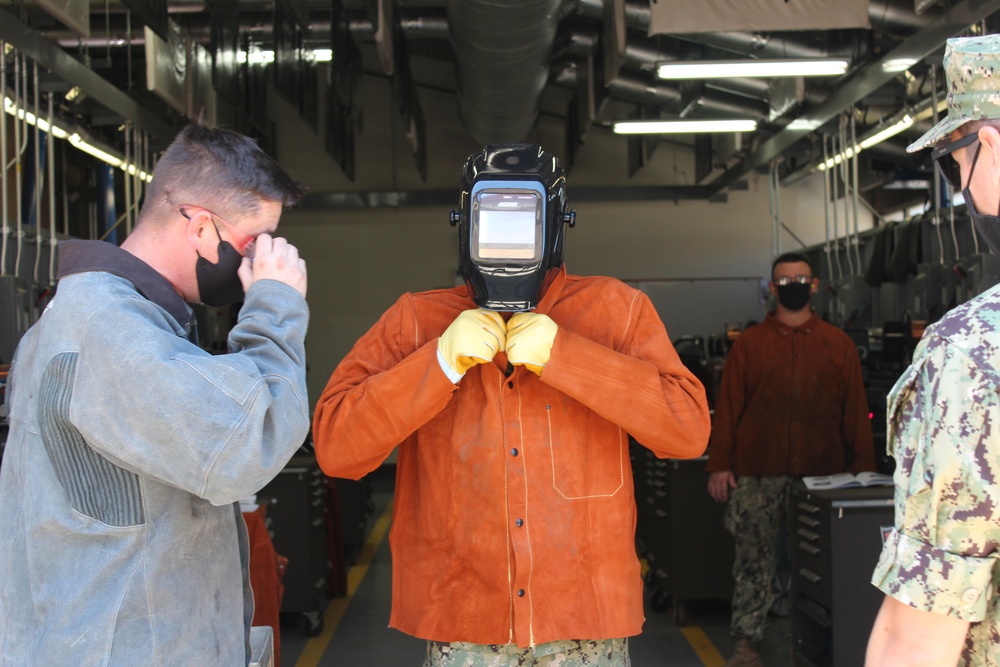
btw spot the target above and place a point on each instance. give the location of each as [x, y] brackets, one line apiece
[972, 71]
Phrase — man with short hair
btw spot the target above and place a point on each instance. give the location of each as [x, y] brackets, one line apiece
[123, 543]
[791, 403]
[511, 400]
[939, 565]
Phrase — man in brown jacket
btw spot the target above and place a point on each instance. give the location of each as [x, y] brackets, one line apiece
[792, 403]
[514, 519]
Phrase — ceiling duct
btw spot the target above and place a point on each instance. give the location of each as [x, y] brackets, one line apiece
[502, 51]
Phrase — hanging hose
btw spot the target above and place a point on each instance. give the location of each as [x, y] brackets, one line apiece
[51, 160]
[3, 151]
[833, 205]
[772, 197]
[937, 182]
[19, 107]
[845, 179]
[128, 180]
[854, 192]
[826, 212]
[38, 173]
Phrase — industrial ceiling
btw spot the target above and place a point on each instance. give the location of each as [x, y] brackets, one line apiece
[507, 62]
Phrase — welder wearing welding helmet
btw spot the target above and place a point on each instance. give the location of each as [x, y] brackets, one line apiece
[511, 224]
[509, 401]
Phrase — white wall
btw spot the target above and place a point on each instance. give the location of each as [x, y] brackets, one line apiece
[702, 264]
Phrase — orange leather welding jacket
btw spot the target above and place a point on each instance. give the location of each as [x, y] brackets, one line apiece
[514, 517]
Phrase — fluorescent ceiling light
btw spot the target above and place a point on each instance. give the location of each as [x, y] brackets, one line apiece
[264, 57]
[74, 138]
[806, 124]
[903, 123]
[729, 69]
[899, 64]
[683, 126]
[876, 136]
[29, 118]
[88, 148]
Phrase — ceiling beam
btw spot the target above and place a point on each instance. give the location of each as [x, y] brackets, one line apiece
[450, 198]
[48, 55]
[864, 82]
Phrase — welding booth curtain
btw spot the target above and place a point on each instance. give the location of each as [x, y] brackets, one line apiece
[684, 16]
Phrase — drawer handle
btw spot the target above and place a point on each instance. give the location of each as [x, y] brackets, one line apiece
[808, 534]
[809, 548]
[807, 507]
[810, 576]
[809, 521]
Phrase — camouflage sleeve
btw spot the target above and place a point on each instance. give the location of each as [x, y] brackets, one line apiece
[941, 555]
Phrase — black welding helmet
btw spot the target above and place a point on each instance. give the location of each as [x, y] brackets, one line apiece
[510, 224]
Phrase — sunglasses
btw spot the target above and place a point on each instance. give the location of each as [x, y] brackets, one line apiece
[244, 245]
[946, 162]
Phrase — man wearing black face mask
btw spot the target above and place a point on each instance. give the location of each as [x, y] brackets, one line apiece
[791, 403]
[123, 542]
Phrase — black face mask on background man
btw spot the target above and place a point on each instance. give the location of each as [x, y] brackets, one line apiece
[218, 283]
[794, 296]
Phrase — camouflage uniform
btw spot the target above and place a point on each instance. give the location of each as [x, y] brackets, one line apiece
[569, 653]
[942, 555]
[753, 516]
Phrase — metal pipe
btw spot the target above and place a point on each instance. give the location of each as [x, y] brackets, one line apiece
[854, 193]
[844, 179]
[3, 151]
[826, 212]
[836, 231]
[18, 66]
[38, 174]
[50, 146]
[65, 192]
[128, 181]
[501, 62]
[937, 182]
[770, 207]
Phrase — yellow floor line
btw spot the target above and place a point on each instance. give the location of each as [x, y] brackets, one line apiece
[699, 641]
[315, 647]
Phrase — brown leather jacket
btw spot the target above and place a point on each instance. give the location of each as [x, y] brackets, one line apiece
[792, 402]
[514, 517]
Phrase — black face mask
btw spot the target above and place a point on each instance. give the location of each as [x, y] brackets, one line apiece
[988, 226]
[794, 296]
[219, 284]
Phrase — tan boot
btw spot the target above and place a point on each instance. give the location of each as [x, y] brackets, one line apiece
[745, 655]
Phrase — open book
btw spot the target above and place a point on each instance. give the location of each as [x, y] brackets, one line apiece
[845, 480]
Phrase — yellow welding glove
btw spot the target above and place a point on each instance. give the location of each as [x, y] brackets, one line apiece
[529, 340]
[474, 337]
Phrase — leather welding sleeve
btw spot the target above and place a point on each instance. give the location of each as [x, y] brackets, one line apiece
[728, 408]
[640, 383]
[360, 417]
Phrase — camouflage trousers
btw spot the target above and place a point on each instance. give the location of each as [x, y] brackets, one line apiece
[568, 653]
[753, 516]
